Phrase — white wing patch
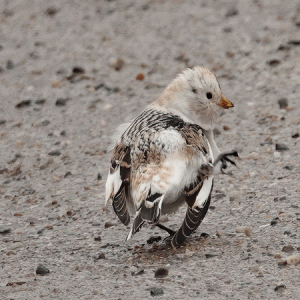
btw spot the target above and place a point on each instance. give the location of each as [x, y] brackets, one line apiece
[204, 192]
[113, 184]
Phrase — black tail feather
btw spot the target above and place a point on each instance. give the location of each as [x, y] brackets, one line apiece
[192, 220]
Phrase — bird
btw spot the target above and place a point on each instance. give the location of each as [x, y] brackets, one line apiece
[166, 157]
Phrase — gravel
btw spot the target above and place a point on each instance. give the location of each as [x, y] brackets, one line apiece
[157, 39]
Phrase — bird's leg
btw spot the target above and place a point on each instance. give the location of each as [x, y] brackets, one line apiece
[168, 230]
[223, 157]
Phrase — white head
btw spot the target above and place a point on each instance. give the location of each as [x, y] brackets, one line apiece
[195, 95]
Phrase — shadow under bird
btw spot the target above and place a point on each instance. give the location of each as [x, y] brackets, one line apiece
[167, 155]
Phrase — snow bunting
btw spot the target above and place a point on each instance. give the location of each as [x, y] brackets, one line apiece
[166, 157]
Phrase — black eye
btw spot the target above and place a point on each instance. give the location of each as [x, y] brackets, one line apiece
[209, 95]
[194, 90]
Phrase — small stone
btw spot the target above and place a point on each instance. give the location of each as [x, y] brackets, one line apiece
[281, 147]
[155, 291]
[231, 13]
[277, 155]
[101, 256]
[109, 224]
[295, 135]
[153, 239]
[274, 222]
[23, 103]
[244, 229]
[294, 42]
[288, 248]
[293, 259]
[68, 174]
[10, 65]
[210, 255]
[46, 123]
[116, 63]
[5, 230]
[107, 106]
[99, 176]
[254, 155]
[226, 128]
[273, 62]
[283, 103]
[287, 232]
[61, 101]
[140, 76]
[40, 101]
[279, 287]
[253, 174]
[42, 270]
[161, 272]
[2, 122]
[277, 256]
[217, 131]
[16, 245]
[97, 239]
[55, 153]
[10, 253]
[51, 11]
[78, 70]
[288, 167]
[18, 215]
[141, 272]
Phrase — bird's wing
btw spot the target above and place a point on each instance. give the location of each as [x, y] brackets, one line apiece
[118, 181]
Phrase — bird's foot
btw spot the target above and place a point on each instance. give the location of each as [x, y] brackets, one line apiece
[224, 158]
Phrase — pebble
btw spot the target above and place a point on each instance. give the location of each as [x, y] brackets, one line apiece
[293, 259]
[2, 122]
[253, 174]
[279, 287]
[140, 76]
[97, 239]
[10, 65]
[281, 147]
[99, 176]
[23, 103]
[5, 230]
[42, 270]
[161, 273]
[101, 256]
[155, 291]
[116, 63]
[141, 272]
[283, 103]
[78, 70]
[231, 13]
[109, 224]
[40, 101]
[277, 154]
[55, 153]
[273, 62]
[244, 229]
[153, 239]
[107, 106]
[61, 101]
[254, 155]
[295, 135]
[288, 248]
[211, 255]
[16, 245]
[46, 123]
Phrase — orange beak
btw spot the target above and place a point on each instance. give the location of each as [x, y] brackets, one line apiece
[225, 103]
